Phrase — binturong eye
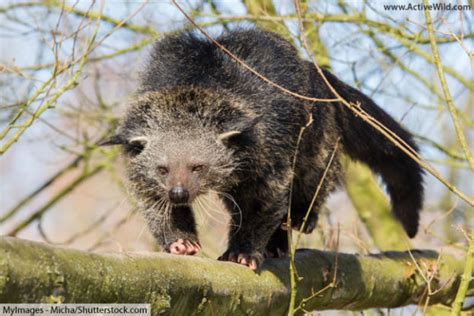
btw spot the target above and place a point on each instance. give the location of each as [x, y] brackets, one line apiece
[197, 168]
[163, 171]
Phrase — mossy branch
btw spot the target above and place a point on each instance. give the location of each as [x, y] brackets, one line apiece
[466, 279]
[185, 285]
[373, 208]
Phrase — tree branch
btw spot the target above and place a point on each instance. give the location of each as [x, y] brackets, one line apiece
[373, 207]
[185, 285]
[447, 94]
[466, 279]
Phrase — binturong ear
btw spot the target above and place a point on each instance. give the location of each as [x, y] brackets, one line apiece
[113, 140]
[133, 146]
[139, 141]
[226, 135]
[136, 145]
[237, 128]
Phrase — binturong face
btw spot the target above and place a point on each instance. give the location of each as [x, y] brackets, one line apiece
[177, 150]
[176, 166]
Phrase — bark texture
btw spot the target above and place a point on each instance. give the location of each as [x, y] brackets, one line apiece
[183, 285]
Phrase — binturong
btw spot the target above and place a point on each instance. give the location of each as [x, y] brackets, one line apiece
[202, 123]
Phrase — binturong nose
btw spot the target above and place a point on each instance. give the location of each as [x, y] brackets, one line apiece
[179, 194]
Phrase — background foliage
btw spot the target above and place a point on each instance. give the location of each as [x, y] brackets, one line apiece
[68, 68]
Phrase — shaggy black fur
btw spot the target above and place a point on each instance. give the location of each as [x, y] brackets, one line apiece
[207, 86]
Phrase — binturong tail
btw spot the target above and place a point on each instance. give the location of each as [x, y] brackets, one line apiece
[402, 175]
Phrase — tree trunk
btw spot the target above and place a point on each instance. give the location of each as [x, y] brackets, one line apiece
[184, 285]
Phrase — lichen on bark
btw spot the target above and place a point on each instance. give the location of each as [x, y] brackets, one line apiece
[177, 285]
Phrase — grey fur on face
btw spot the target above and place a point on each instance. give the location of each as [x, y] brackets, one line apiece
[177, 148]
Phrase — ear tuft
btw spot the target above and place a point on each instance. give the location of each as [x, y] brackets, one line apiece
[114, 140]
[138, 141]
[227, 135]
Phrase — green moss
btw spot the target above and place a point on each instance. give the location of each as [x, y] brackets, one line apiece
[373, 208]
[33, 272]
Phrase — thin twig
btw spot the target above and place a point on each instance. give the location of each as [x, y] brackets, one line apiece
[56, 198]
[391, 136]
[333, 282]
[40, 189]
[466, 278]
[447, 94]
[69, 85]
[293, 272]
[245, 65]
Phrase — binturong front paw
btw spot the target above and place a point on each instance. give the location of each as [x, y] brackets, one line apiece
[251, 260]
[183, 247]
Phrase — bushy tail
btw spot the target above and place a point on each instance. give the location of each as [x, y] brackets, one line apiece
[402, 175]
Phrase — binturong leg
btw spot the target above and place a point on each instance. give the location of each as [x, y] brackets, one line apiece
[277, 247]
[248, 241]
[175, 230]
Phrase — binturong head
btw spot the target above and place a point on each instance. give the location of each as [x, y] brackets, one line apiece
[178, 145]
[176, 165]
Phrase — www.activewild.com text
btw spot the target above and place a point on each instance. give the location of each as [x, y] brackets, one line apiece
[439, 6]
